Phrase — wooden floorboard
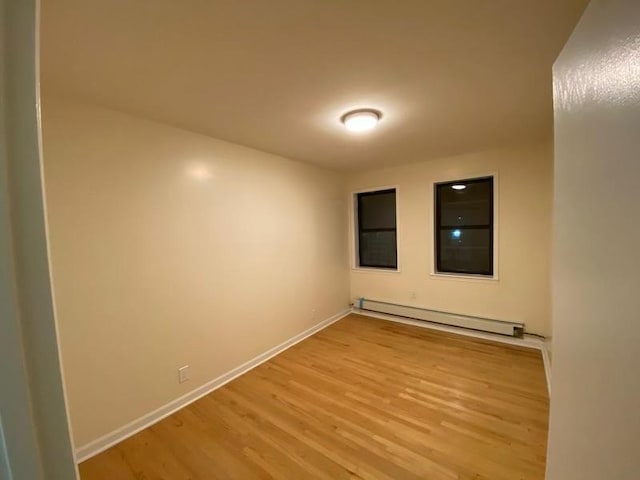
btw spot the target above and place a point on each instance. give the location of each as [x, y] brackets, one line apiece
[363, 398]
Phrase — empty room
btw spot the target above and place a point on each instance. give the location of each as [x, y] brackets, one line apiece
[331, 239]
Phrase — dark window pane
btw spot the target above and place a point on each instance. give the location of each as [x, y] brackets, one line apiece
[466, 250]
[475, 190]
[377, 210]
[471, 212]
[378, 249]
[464, 226]
[377, 229]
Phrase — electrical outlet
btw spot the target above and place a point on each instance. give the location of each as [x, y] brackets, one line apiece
[183, 374]
[313, 314]
[412, 295]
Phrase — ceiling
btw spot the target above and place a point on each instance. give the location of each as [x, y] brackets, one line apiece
[450, 76]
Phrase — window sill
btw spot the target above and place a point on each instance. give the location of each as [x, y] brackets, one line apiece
[462, 276]
[375, 270]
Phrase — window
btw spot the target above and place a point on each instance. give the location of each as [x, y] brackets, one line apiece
[464, 227]
[376, 224]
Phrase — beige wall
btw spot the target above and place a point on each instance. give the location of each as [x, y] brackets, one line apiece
[172, 248]
[594, 430]
[521, 291]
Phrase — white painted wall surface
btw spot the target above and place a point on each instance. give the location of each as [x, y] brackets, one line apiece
[172, 248]
[521, 291]
[595, 401]
[32, 404]
[5, 474]
[14, 393]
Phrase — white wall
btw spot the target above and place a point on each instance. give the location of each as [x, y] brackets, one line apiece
[521, 291]
[172, 248]
[595, 415]
[5, 474]
[32, 405]
[14, 396]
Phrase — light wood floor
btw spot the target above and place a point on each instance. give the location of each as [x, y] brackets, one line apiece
[364, 398]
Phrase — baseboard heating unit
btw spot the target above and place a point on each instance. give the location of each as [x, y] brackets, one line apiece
[452, 319]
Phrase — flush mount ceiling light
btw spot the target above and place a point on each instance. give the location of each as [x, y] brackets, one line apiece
[362, 120]
[458, 186]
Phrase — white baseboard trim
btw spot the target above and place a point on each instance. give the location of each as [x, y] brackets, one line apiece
[528, 341]
[103, 443]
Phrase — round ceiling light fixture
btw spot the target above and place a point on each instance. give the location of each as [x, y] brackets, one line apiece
[458, 186]
[362, 120]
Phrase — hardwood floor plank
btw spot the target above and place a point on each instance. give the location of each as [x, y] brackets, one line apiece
[361, 399]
